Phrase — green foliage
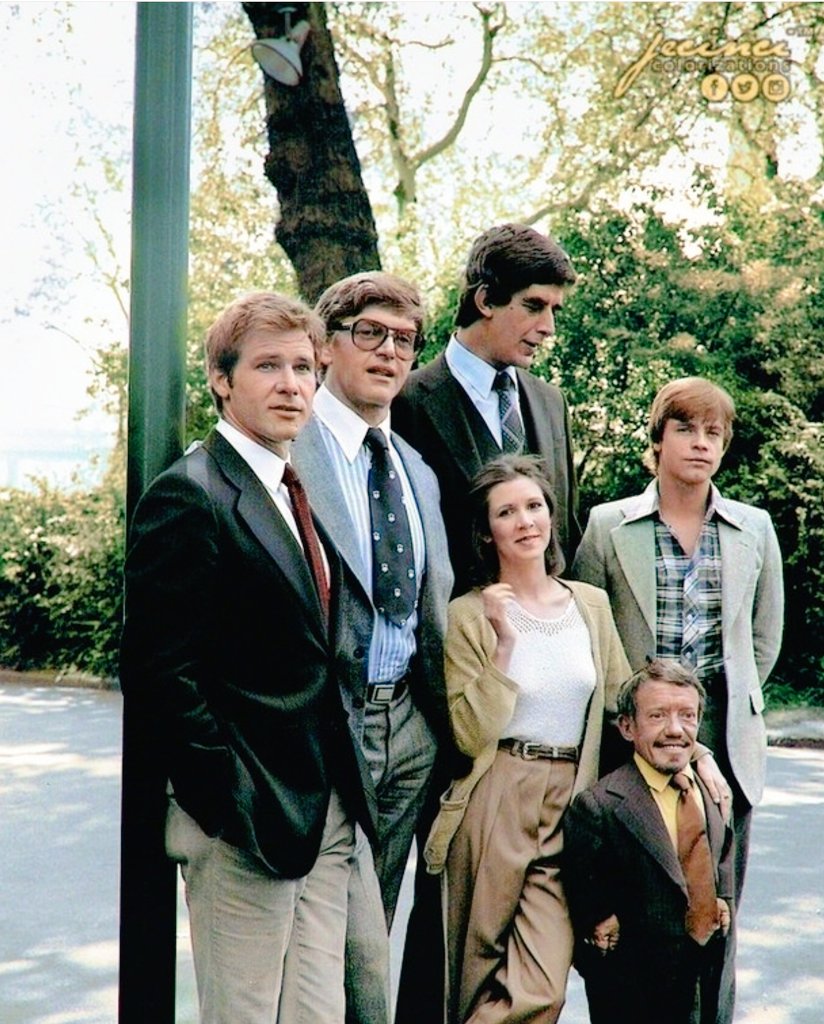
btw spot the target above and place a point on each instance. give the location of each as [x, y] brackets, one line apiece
[738, 296]
[739, 301]
[781, 468]
[61, 559]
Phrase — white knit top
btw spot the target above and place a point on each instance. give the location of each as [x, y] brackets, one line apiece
[553, 667]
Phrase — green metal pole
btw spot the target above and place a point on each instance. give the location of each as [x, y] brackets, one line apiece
[160, 234]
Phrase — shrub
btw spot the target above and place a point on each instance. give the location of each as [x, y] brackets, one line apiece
[61, 560]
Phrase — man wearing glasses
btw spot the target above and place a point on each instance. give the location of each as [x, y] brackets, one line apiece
[380, 504]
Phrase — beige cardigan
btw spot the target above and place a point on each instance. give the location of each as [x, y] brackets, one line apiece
[482, 700]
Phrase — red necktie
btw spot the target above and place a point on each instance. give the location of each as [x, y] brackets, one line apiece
[696, 862]
[308, 534]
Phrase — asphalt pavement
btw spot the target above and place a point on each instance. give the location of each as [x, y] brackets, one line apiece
[59, 833]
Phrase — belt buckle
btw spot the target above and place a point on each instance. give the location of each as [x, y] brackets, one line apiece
[382, 693]
[530, 751]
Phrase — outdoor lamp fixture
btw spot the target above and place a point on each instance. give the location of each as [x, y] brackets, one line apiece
[280, 58]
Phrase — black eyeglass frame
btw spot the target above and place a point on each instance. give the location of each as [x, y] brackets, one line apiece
[401, 351]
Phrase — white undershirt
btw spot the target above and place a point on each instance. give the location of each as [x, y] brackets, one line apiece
[553, 666]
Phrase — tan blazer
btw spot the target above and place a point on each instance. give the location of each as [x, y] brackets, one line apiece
[482, 700]
[618, 553]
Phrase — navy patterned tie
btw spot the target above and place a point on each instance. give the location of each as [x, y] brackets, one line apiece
[512, 429]
[394, 587]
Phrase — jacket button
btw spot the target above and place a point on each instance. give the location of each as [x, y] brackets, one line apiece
[358, 702]
[358, 652]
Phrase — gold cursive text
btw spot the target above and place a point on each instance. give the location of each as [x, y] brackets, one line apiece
[660, 47]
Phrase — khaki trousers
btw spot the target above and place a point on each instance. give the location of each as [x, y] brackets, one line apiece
[267, 950]
[509, 937]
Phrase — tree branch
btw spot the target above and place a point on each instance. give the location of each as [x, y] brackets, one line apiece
[448, 139]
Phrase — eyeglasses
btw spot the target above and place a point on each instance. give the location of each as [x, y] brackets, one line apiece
[368, 335]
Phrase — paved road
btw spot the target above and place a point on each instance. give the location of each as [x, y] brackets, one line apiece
[59, 817]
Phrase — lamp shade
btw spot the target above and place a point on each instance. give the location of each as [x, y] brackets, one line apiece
[279, 59]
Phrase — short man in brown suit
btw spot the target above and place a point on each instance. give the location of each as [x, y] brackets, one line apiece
[651, 924]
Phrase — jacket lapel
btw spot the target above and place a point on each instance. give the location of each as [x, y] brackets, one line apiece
[261, 515]
[634, 541]
[540, 418]
[639, 813]
[716, 828]
[315, 468]
[739, 564]
[445, 405]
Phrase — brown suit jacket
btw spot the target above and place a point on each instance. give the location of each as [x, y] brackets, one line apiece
[619, 859]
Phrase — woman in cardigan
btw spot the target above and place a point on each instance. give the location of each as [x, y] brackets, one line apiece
[532, 664]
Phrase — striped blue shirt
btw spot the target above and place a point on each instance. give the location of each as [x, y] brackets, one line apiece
[343, 432]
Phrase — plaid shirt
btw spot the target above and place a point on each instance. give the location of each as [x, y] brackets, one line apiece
[688, 597]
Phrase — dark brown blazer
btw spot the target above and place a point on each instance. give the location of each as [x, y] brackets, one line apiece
[225, 649]
[436, 416]
[619, 859]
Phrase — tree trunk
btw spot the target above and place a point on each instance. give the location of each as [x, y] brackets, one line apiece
[326, 224]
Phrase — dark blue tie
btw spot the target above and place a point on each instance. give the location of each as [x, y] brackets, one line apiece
[394, 586]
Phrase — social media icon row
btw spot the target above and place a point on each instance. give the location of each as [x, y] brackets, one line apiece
[745, 87]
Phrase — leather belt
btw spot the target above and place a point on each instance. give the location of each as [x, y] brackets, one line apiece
[530, 751]
[385, 693]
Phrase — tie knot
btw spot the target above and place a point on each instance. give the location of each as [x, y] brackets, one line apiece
[503, 382]
[376, 440]
[290, 477]
[682, 782]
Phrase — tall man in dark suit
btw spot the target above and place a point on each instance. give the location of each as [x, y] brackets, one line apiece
[391, 661]
[648, 865]
[478, 398]
[472, 402]
[229, 649]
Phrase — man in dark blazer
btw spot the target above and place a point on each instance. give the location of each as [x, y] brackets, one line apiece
[391, 672]
[450, 409]
[472, 402]
[642, 960]
[229, 651]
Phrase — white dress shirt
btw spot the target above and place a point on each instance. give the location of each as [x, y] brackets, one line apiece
[268, 468]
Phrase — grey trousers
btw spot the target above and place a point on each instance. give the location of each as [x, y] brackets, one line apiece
[400, 751]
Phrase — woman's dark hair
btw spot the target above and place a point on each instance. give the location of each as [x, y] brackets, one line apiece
[501, 470]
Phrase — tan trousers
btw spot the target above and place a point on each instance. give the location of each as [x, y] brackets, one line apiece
[509, 937]
[266, 950]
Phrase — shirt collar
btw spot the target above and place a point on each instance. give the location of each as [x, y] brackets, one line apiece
[348, 429]
[647, 503]
[654, 779]
[265, 464]
[477, 373]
